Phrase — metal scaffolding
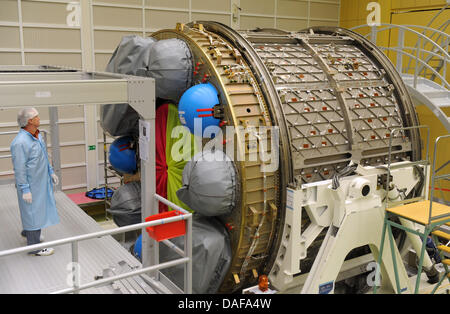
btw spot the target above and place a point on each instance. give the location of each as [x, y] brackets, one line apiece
[53, 87]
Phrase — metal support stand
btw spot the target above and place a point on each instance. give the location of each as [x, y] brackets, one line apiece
[423, 215]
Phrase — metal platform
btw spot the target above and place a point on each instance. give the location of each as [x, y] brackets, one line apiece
[25, 273]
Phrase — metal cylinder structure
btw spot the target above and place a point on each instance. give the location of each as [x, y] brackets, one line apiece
[331, 95]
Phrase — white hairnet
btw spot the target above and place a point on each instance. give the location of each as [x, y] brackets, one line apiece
[26, 114]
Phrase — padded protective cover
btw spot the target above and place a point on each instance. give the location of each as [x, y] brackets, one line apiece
[168, 61]
[171, 66]
[209, 184]
[119, 120]
[211, 256]
[131, 56]
[126, 204]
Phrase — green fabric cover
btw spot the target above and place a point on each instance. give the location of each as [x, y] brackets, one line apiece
[179, 150]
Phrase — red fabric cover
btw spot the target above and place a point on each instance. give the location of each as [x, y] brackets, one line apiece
[161, 165]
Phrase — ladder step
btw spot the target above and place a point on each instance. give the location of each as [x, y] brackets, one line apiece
[442, 234]
[419, 211]
[446, 262]
[444, 248]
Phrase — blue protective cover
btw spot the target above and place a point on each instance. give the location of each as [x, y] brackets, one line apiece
[122, 156]
[198, 103]
[99, 193]
[138, 247]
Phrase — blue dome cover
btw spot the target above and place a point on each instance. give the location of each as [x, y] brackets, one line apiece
[198, 102]
[121, 156]
[138, 247]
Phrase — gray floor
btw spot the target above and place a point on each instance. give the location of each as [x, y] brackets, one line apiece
[24, 273]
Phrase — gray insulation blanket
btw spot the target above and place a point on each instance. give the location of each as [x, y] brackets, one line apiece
[209, 184]
[211, 256]
[171, 66]
[168, 61]
[131, 56]
[126, 204]
[119, 120]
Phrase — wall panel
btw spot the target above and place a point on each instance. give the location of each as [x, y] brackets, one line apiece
[10, 37]
[292, 24]
[36, 32]
[157, 19]
[250, 22]
[9, 11]
[173, 4]
[208, 5]
[324, 11]
[290, 8]
[222, 18]
[258, 7]
[50, 58]
[117, 17]
[44, 12]
[10, 58]
[109, 40]
[51, 38]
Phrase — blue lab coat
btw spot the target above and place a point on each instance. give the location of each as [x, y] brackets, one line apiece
[33, 172]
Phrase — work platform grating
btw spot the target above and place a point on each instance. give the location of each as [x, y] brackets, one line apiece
[23, 273]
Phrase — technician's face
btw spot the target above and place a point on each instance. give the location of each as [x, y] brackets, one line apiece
[36, 121]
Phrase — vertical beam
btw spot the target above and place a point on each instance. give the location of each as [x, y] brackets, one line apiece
[90, 112]
[275, 13]
[394, 259]
[235, 18]
[401, 45]
[309, 14]
[87, 36]
[373, 34]
[188, 251]
[75, 267]
[190, 10]
[416, 69]
[150, 247]
[143, 18]
[339, 13]
[22, 46]
[444, 74]
[141, 96]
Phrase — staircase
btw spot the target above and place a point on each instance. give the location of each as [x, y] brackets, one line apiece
[426, 69]
[431, 94]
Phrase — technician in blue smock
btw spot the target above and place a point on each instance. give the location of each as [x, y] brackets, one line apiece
[34, 179]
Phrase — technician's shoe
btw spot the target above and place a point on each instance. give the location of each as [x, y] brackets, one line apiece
[45, 252]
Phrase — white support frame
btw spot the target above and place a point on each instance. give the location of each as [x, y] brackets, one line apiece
[353, 220]
[95, 88]
[90, 112]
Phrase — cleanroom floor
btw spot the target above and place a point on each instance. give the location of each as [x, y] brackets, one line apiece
[23, 273]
